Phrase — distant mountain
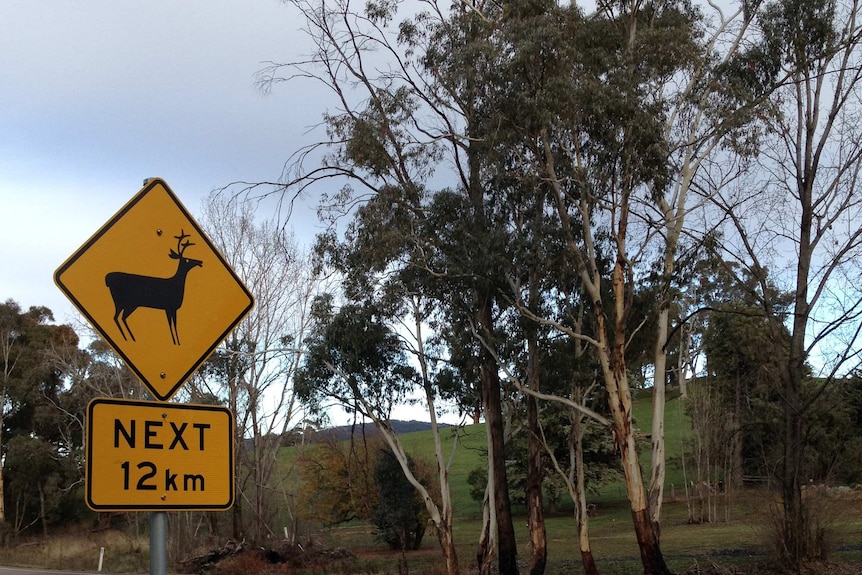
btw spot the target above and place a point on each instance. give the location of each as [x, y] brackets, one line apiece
[343, 432]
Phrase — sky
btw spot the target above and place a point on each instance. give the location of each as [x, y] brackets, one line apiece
[96, 96]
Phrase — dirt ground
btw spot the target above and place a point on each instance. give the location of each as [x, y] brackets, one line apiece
[241, 559]
[818, 568]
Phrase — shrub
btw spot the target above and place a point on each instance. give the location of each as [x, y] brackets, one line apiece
[400, 514]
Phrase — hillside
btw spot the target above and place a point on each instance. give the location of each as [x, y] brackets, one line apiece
[345, 432]
[467, 448]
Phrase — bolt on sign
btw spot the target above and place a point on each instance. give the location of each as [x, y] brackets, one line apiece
[151, 456]
[156, 289]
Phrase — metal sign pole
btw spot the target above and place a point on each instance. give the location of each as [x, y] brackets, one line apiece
[158, 543]
[158, 537]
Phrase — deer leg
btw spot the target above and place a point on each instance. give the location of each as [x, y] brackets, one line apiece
[172, 325]
[126, 315]
[117, 321]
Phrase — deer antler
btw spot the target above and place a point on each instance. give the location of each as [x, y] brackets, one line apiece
[181, 245]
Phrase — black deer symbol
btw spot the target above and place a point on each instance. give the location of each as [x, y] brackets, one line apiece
[131, 291]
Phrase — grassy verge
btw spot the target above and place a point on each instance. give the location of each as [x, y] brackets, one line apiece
[78, 550]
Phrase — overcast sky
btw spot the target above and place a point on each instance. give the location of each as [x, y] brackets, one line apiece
[95, 96]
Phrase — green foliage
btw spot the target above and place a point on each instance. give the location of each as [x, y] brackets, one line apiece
[38, 479]
[832, 431]
[355, 358]
[738, 405]
[799, 32]
[478, 481]
[42, 433]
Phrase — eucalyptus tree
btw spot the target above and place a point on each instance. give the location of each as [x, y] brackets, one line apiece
[586, 123]
[574, 110]
[415, 261]
[556, 379]
[407, 98]
[468, 254]
[358, 360]
[710, 136]
[530, 269]
[11, 339]
[806, 205]
[42, 448]
[572, 427]
[377, 260]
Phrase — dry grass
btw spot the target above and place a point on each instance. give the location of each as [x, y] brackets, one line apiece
[79, 551]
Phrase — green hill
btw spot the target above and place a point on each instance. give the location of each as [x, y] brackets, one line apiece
[471, 449]
[467, 446]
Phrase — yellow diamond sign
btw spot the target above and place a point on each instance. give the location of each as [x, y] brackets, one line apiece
[156, 289]
[144, 455]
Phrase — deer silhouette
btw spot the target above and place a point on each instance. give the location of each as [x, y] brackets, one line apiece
[131, 291]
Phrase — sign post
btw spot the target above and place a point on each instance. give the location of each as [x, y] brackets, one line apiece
[158, 543]
[157, 290]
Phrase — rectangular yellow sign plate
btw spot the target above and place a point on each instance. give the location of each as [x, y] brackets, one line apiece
[149, 456]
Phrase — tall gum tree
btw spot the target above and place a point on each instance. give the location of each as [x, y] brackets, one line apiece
[810, 182]
[37, 416]
[709, 143]
[590, 115]
[359, 361]
[375, 259]
[406, 106]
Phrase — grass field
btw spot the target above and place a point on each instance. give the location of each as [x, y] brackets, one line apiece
[741, 535]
